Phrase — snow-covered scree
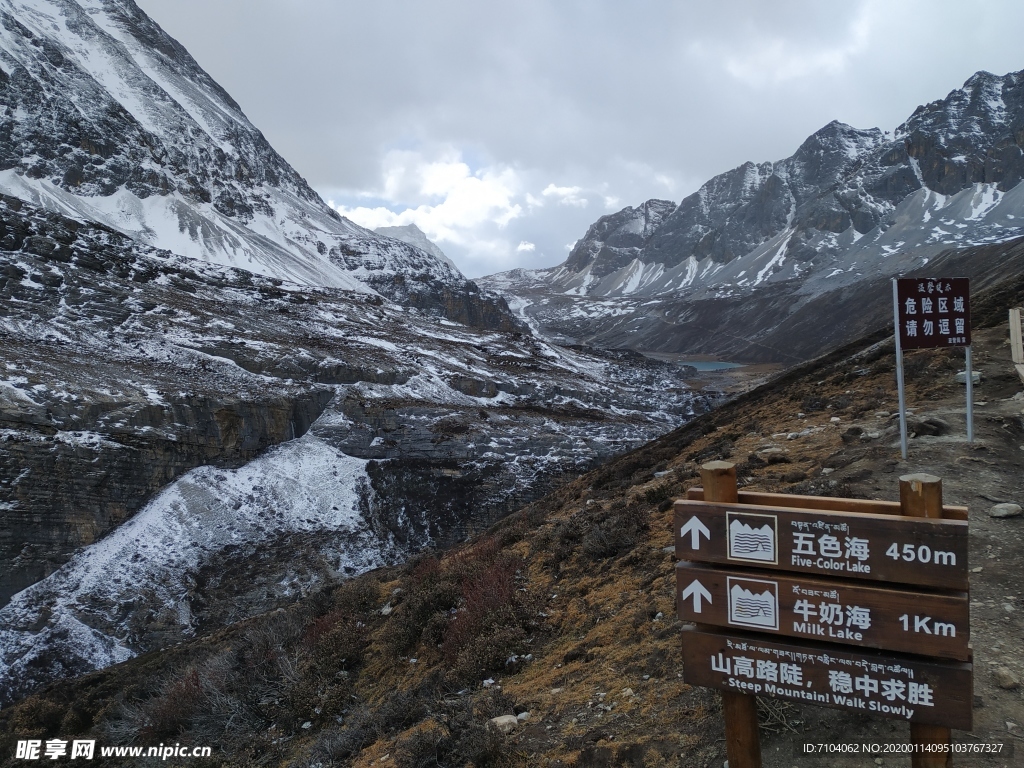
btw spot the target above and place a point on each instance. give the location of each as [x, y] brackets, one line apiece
[123, 368]
[849, 205]
[84, 616]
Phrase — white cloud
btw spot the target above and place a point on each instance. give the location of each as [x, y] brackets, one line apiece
[667, 182]
[566, 195]
[482, 218]
[443, 196]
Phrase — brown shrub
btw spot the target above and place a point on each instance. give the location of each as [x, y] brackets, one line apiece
[170, 712]
[617, 532]
[336, 642]
[429, 592]
[487, 600]
[37, 717]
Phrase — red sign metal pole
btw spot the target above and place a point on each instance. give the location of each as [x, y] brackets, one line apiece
[930, 313]
[899, 370]
[970, 395]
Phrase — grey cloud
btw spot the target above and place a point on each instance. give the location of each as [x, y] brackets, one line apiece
[577, 93]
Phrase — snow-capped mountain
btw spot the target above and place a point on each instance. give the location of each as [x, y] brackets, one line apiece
[105, 118]
[413, 235]
[847, 204]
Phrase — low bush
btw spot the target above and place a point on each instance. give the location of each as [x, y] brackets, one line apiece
[599, 532]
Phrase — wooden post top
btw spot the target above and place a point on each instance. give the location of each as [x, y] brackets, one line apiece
[719, 479]
[921, 495]
[717, 466]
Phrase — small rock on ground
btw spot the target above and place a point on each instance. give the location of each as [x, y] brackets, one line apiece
[505, 723]
[1006, 679]
[1006, 510]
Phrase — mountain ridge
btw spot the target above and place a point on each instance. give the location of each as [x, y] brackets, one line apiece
[198, 351]
[849, 203]
[183, 444]
[108, 119]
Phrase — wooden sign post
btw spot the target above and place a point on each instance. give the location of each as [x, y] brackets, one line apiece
[1016, 337]
[780, 588]
[907, 620]
[864, 546]
[921, 496]
[742, 737]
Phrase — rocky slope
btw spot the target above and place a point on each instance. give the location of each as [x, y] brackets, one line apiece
[138, 385]
[563, 613]
[105, 118]
[849, 205]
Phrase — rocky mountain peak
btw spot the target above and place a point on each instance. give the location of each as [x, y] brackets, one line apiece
[413, 235]
[616, 238]
[829, 152]
[106, 118]
[972, 136]
[849, 205]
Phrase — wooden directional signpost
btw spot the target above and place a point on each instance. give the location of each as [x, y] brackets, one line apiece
[904, 620]
[864, 546]
[842, 603]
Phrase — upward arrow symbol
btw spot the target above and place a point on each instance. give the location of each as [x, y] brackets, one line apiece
[697, 591]
[695, 528]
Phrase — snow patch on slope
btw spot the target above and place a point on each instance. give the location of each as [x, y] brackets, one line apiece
[300, 486]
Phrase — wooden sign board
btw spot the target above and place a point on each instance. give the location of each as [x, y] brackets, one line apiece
[825, 610]
[939, 693]
[874, 547]
[860, 506]
[933, 312]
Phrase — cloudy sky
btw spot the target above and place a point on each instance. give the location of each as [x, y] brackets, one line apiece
[503, 130]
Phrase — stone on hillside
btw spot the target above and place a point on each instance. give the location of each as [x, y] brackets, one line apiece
[772, 455]
[1005, 510]
[1006, 678]
[930, 425]
[505, 723]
